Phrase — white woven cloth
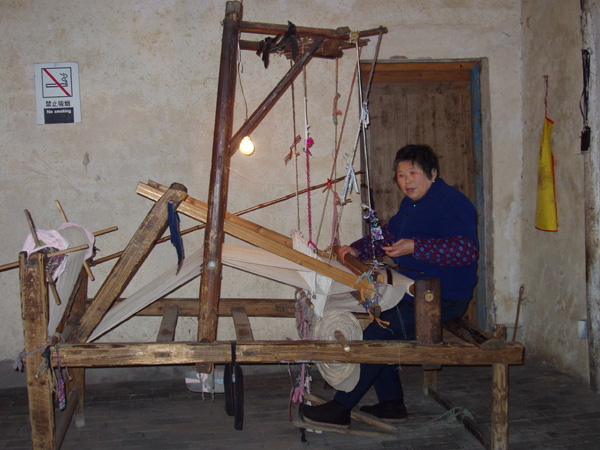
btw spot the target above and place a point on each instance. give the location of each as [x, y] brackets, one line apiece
[247, 258]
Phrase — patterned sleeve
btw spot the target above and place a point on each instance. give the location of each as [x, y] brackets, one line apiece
[364, 248]
[455, 251]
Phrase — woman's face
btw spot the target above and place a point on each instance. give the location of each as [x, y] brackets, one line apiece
[412, 181]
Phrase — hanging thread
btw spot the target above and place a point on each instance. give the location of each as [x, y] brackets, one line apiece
[294, 152]
[309, 142]
[546, 96]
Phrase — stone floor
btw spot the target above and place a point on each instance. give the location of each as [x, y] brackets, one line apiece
[548, 410]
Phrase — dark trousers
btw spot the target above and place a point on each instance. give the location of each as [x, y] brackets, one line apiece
[384, 377]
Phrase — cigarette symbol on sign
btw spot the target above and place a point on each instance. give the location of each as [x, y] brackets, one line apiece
[56, 84]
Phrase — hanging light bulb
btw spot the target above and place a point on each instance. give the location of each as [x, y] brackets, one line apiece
[246, 146]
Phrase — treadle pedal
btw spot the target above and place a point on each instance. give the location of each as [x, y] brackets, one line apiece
[365, 418]
[297, 422]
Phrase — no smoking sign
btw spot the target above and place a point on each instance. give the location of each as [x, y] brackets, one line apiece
[57, 93]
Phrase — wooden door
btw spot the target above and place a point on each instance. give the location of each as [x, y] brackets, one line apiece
[405, 109]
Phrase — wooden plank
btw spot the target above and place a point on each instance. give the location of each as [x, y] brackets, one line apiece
[472, 334]
[353, 430]
[34, 312]
[243, 330]
[255, 307]
[128, 264]
[166, 332]
[269, 352]
[263, 238]
[416, 72]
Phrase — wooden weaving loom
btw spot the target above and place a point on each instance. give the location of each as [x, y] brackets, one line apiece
[82, 316]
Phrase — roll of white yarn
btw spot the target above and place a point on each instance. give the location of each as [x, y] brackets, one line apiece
[341, 376]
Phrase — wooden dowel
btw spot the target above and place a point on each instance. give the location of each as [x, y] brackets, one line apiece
[37, 244]
[9, 266]
[521, 290]
[86, 265]
[339, 336]
[105, 231]
[15, 264]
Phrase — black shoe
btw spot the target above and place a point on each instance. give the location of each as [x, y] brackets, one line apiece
[330, 414]
[389, 410]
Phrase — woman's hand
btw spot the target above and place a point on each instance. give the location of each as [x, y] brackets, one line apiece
[400, 248]
[344, 250]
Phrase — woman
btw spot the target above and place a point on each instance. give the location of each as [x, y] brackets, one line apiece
[433, 233]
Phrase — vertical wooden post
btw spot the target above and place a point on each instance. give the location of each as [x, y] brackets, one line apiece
[428, 323]
[210, 286]
[34, 312]
[500, 399]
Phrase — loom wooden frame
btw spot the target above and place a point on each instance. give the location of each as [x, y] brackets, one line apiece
[82, 315]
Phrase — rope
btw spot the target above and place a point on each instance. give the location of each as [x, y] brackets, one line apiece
[308, 143]
[293, 151]
[546, 96]
[337, 148]
[335, 112]
[453, 418]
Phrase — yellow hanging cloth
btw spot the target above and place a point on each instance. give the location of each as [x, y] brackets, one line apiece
[545, 215]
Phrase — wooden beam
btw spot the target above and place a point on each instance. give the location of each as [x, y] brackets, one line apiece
[255, 307]
[329, 49]
[274, 95]
[470, 333]
[243, 330]
[34, 311]
[168, 325]
[264, 238]
[210, 285]
[342, 33]
[271, 352]
[128, 264]
[417, 72]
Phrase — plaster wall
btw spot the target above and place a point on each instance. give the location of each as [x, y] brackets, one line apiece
[553, 263]
[148, 74]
